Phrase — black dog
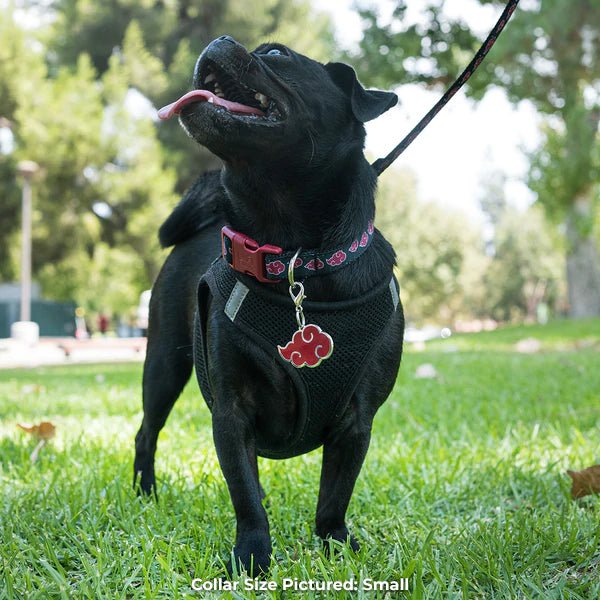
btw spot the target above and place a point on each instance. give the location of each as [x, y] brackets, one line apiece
[290, 132]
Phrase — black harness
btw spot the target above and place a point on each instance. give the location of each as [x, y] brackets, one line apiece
[266, 317]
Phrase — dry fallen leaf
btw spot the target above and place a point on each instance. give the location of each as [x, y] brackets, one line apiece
[585, 482]
[44, 430]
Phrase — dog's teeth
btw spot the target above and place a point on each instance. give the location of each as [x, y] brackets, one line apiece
[211, 100]
[264, 101]
[219, 91]
[210, 77]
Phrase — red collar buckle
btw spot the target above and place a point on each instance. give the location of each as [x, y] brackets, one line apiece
[247, 256]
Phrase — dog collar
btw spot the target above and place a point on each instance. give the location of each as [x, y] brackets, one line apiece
[268, 263]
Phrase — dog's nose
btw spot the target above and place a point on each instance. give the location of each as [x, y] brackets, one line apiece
[226, 38]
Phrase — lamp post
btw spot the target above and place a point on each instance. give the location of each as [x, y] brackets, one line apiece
[27, 169]
[25, 330]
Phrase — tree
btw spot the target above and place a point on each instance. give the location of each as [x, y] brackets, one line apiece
[66, 88]
[440, 257]
[549, 55]
[100, 153]
[91, 149]
[525, 269]
[97, 28]
[20, 69]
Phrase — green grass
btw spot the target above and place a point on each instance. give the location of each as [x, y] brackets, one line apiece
[463, 490]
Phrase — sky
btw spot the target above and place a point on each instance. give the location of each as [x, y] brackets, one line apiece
[467, 140]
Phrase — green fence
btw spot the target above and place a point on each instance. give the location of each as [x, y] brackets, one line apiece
[56, 319]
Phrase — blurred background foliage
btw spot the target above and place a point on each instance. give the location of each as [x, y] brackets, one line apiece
[80, 80]
[79, 85]
[548, 55]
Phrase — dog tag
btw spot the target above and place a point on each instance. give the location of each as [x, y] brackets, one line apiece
[310, 345]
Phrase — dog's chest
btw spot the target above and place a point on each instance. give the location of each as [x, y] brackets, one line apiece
[266, 320]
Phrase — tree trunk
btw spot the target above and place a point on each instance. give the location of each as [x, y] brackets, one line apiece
[583, 262]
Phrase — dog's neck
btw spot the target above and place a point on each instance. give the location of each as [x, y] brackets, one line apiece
[292, 207]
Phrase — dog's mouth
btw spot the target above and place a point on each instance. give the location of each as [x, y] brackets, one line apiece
[226, 93]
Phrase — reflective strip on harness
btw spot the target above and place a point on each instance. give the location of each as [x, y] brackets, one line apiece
[234, 303]
[395, 294]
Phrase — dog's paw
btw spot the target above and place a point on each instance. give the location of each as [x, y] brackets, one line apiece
[341, 536]
[144, 485]
[252, 553]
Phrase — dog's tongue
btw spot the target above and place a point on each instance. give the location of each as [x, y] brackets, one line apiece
[166, 112]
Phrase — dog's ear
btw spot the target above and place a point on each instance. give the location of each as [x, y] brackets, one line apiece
[366, 104]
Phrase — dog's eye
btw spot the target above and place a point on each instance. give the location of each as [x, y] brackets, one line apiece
[274, 52]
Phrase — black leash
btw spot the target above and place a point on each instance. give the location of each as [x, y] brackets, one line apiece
[383, 163]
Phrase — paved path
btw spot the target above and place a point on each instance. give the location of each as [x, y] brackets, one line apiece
[64, 351]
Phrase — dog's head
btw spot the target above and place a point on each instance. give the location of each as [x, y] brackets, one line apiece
[273, 102]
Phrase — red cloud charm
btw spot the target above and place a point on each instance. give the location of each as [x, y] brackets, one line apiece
[308, 347]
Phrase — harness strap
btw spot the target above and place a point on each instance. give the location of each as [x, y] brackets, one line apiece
[381, 164]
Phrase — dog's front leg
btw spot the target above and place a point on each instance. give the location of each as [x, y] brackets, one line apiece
[236, 449]
[343, 457]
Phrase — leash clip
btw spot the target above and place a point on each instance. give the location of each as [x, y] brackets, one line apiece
[299, 295]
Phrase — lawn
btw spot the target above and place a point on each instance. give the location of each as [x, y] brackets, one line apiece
[463, 492]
